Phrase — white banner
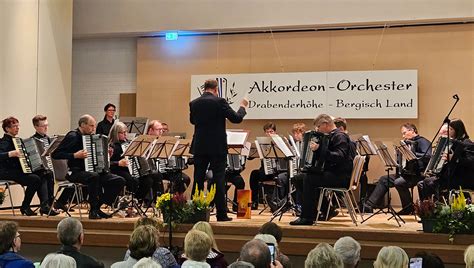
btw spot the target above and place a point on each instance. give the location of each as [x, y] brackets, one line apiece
[354, 94]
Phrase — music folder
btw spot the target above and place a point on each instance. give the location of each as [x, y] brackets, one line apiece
[364, 145]
[237, 141]
[54, 145]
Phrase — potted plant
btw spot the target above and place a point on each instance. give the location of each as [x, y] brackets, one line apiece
[2, 195]
[200, 205]
[426, 210]
[174, 206]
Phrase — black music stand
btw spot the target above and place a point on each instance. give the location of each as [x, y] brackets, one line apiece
[138, 147]
[390, 164]
[137, 125]
[365, 148]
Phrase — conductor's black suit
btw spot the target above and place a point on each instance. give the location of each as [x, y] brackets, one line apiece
[208, 114]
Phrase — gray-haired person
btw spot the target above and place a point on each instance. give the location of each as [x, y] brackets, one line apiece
[349, 250]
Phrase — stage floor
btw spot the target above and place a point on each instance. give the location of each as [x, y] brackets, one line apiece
[298, 240]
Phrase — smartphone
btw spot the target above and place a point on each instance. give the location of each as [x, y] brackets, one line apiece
[271, 247]
[416, 262]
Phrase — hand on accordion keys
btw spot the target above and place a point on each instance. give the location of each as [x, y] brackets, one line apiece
[314, 146]
[82, 154]
[14, 153]
[123, 162]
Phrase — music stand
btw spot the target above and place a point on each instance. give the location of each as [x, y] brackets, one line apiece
[138, 147]
[136, 125]
[237, 147]
[390, 164]
[365, 148]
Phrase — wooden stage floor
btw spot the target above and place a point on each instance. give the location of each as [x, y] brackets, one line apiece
[230, 236]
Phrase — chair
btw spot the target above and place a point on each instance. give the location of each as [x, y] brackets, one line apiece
[262, 185]
[345, 194]
[7, 185]
[60, 170]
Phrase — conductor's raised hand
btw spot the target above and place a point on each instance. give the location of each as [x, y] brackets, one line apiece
[82, 154]
[244, 103]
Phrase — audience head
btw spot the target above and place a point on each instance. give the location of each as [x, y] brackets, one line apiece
[56, 260]
[197, 245]
[87, 124]
[267, 239]
[143, 242]
[408, 131]
[40, 123]
[457, 130]
[11, 125]
[430, 260]
[118, 133]
[155, 128]
[241, 264]
[109, 110]
[324, 256]
[147, 221]
[70, 232]
[269, 128]
[324, 123]
[469, 256]
[298, 131]
[146, 263]
[391, 257]
[165, 127]
[272, 229]
[256, 252]
[9, 237]
[349, 250]
[341, 124]
[206, 228]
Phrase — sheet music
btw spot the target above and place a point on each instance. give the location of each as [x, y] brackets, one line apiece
[293, 143]
[246, 149]
[282, 145]
[53, 146]
[236, 138]
[259, 150]
[367, 145]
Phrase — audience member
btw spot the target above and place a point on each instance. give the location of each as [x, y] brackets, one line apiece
[161, 255]
[275, 230]
[349, 250]
[143, 243]
[146, 263]
[391, 257]
[215, 257]
[197, 246]
[10, 244]
[54, 260]
[323, 256]
[241, 264]
[71, 236]
[430, 260]
[469, 256]
[257, 253]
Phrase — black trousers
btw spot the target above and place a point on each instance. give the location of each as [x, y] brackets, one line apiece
[428, 187]
[179, 181]
[383, 185]
[216, 163]
[102, 188]
[298, 182]
[33, 183]
[130, 182]
[311, 192]
[258, 175]
[236, 179]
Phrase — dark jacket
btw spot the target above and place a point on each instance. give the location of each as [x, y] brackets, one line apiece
[13, 260]
[104, 126]
[71, 143]
[340, 154]
[208, 114]
[82, 260]
[8, 163]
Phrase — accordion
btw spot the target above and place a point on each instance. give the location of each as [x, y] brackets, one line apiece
[30, 157]
[137, 166]
[314, 161]
[436, 161]
[235, 162]
[97, 149]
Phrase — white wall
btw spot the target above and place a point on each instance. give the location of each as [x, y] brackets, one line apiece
[102, 69]
[118, 17]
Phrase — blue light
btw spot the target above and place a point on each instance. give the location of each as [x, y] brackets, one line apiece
[171, 36]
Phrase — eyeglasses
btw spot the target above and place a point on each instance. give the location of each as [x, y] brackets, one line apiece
[111, 110]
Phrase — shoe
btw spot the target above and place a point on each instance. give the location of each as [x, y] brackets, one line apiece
[254, 206]
[46, 211]
[366, 208]
[224, 218]
[333, 213]
[93, 215]
[27, 212]
[103, 214]
[61, 206]
[406, 211]
[235, 208]
[302, 221]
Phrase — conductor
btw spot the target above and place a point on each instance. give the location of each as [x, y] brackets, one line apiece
[208, 114]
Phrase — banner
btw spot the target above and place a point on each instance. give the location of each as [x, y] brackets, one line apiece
[352, 94]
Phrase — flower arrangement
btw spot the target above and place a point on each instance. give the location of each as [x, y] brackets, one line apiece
[456, 218]
[182, 210]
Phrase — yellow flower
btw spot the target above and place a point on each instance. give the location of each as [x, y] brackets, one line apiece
[202, 200]
[459, 203]
[163, 199]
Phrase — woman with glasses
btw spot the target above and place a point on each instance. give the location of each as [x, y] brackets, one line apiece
[106, 124]
[10, 244]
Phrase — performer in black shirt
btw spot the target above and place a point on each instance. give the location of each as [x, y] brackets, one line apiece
[208, 114]
[406, 178]
[106, 124]
[337, 170]
[102, 188]
[10, 169]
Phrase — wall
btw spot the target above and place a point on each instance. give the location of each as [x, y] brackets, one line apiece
[443, 56]
[102, 69]
[147, 17]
